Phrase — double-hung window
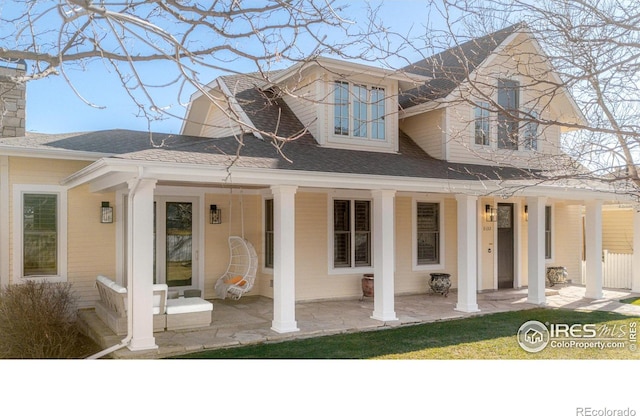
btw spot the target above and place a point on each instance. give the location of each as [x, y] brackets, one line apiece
[359, 111]
[41, 240]
[481, 124]
[509, 100]
[427, 233]
[351, 233]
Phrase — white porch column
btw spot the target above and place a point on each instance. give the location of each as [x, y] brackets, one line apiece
[140, 268]
[593, 252]
[535, 254]
[635, 278]
[467, 253]
[284, 263]
[384, 255]
[4, 221]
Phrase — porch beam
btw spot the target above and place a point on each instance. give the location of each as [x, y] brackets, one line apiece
[593, 252]
[140, 268]
[384, 255]
[635, 278]
[467, 214]
[536, 255]
[284, 264]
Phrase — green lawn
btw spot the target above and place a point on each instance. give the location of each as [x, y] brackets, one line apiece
[483, 337]
[632, 301]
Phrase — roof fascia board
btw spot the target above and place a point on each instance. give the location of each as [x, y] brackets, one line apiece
[63, 154]
[345, 66]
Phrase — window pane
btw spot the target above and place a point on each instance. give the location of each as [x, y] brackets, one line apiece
[531, 132]
[179, 245]
[342, 233]
[268, 233]
[377, 113]
[482, 124]
[341, 108]
[363, 249]
[360, 103]
[508, 99]
[40, 238]
[428, 233]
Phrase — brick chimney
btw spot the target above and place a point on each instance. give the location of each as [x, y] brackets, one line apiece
[13, 99]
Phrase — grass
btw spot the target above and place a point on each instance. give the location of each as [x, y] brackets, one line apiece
[482, 337]
[632, 301]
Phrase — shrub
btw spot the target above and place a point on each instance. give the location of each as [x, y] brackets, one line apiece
[38, 320]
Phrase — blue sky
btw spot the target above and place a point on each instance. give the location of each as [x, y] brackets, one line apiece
[52, 106]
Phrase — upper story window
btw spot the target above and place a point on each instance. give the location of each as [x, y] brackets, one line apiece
[482, 123]
[366, 117]
[509, 100]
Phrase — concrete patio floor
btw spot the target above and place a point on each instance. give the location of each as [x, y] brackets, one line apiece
[248, 321]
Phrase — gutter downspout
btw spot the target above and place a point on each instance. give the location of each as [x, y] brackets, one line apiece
[125, 342]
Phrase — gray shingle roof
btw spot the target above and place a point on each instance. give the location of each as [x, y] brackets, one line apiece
[451, 67]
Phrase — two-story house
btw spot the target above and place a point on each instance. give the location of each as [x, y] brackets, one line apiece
[395, 173]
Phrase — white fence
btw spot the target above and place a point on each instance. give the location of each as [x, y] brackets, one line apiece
[617, 270]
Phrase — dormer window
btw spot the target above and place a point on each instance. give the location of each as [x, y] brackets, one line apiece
[365, 119]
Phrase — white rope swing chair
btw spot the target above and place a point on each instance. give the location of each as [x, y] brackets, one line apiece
[243, 263]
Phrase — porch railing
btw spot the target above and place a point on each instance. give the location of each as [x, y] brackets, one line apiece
[617, 270]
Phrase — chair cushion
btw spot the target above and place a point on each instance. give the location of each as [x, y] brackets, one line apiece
[187, 305]
[239, 280]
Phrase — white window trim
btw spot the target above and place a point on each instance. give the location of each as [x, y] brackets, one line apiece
[414, 235]
[265, 269]
[352, 196]
[18, 200]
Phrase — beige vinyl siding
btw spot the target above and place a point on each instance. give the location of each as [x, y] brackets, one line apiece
[406, 279]
[617, 230]
[567, 239]
[426, 130]
[304, 102]
[217, 122]
[90, 244]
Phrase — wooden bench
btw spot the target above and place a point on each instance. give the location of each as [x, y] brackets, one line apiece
[170, 314]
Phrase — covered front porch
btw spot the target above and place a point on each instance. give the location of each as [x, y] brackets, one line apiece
[248, 321]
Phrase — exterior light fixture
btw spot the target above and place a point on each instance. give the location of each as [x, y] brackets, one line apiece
[106, 213]
[215, 215]
[526, 212]
[490, 213]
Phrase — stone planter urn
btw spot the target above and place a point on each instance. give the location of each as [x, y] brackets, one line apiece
[440, 283]
[556, 275]
[367, 286]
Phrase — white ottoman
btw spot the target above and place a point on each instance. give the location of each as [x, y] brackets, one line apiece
[187, 313]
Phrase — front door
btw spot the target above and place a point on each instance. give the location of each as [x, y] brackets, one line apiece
[176, 241]
[505, 246]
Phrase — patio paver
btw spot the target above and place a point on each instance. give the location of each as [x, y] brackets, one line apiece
[248, 321]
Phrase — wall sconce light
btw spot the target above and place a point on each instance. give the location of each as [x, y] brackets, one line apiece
[106, 213]
[526, 212]
[215, 215]
[490, 213]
